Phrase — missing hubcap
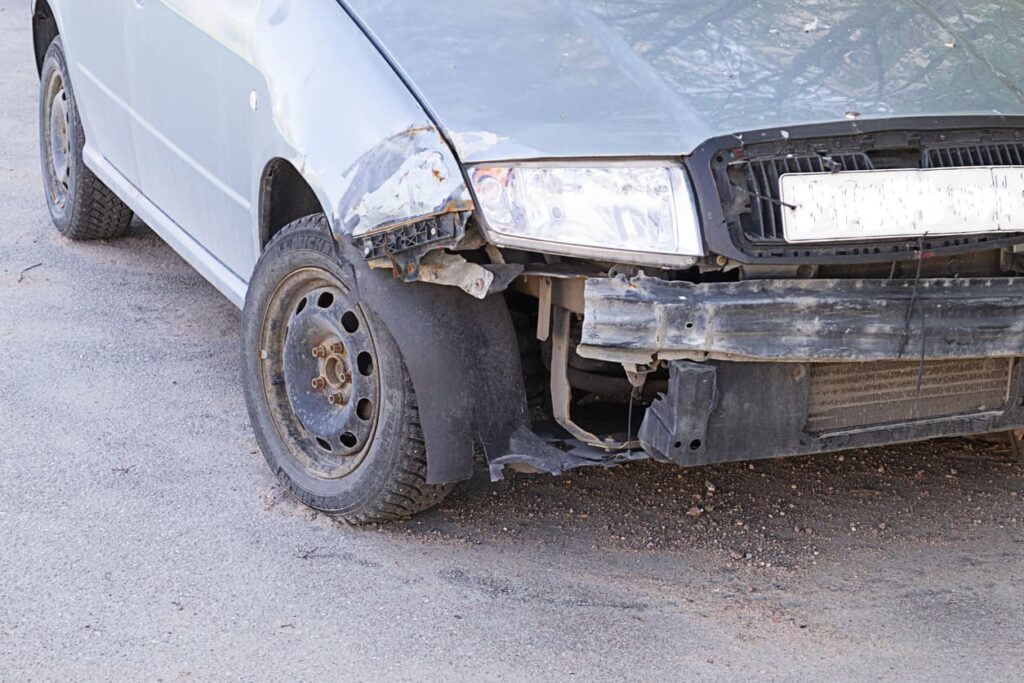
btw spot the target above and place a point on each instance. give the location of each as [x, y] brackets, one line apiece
[327, 406]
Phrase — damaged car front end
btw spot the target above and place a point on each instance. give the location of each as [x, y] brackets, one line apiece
[666, 304]
[707, 337]
[565, 233]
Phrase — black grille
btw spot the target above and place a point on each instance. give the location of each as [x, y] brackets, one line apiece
[762, 176]
[745, 181]
[962, 156]
[759, 177]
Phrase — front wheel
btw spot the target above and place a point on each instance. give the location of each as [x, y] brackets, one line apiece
[328, 393]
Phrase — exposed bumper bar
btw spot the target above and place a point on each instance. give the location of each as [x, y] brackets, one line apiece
[635, 320]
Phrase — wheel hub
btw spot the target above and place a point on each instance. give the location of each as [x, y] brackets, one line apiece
[334, 379]
[330, 379]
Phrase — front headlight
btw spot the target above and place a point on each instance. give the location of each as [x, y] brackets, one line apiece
[638, 213]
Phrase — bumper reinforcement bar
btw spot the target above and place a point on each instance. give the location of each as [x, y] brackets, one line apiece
[636, 320]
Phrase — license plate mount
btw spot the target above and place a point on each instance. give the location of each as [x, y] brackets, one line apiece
[903, 203]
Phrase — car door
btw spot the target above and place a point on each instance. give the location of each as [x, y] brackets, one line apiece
[95, 45]
[194, 91]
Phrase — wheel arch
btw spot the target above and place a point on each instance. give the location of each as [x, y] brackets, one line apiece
[44, 29]
[285, 196]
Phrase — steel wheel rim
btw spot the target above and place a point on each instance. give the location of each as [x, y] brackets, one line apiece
[320, 376]
[57, 140]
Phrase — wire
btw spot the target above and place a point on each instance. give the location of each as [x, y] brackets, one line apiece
[765, 197]
[924, 329]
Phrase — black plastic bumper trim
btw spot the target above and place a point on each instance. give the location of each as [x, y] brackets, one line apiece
[759, 410]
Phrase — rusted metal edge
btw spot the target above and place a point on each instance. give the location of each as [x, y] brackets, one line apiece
[803, 320]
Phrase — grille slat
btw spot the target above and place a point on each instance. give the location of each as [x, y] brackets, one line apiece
[761, 176]
[765, 206]
[966, 156]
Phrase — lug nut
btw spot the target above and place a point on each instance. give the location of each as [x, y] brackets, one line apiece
[337, 347]
[319, 382]
[320, 351]
[336, 399]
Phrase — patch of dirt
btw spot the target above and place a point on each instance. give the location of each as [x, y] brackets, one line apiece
[785, 514]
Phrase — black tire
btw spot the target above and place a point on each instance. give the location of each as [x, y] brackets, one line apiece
[82, 207]
[299, 297]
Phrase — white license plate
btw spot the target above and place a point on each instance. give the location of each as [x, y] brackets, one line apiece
[859, 205]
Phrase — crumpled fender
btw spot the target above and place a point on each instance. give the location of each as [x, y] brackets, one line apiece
[405, 178]
[344, 118]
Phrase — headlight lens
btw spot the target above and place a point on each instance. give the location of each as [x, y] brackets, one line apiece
[640, 214]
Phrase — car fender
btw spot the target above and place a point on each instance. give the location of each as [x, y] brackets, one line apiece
[343, 117]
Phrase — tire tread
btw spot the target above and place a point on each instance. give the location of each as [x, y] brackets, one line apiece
[411, 473]
[96, 212]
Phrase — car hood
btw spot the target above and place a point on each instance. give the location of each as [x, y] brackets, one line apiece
[610, 78]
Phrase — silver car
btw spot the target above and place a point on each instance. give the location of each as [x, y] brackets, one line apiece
[565, 233]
